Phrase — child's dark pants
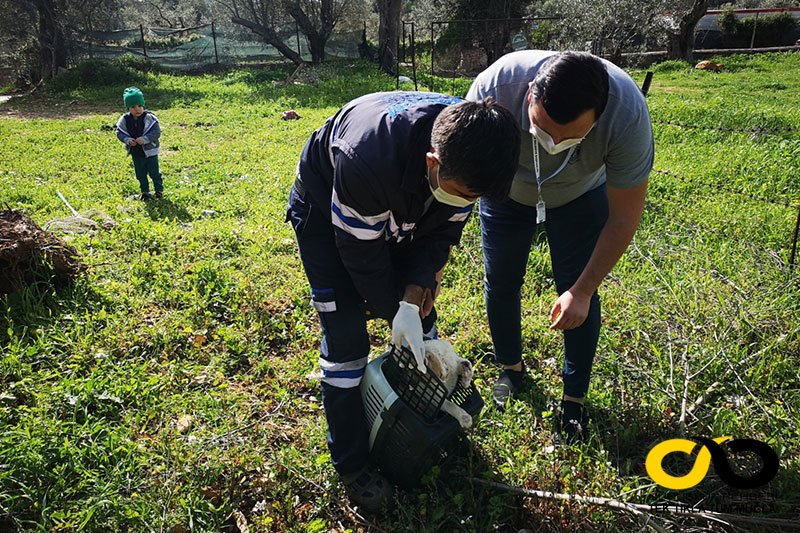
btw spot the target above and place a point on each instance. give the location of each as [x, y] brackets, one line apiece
[144, 166]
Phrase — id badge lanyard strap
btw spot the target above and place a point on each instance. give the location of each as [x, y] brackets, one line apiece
[540, 205]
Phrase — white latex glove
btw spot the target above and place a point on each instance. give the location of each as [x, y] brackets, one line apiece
[407, 326]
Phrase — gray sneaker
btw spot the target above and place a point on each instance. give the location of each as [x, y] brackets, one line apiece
[368, 489]
[508, 386]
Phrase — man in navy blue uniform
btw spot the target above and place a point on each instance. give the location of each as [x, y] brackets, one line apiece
[383, 190]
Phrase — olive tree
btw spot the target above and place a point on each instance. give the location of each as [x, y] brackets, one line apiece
[315, 18]
[627, 24]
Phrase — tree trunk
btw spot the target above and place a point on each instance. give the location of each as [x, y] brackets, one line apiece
[317, 36]
[317, 47]
[388, 33]
[681, 42]
[270, 37]
[52, 45]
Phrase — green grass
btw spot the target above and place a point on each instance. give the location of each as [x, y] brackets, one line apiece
[185, 314]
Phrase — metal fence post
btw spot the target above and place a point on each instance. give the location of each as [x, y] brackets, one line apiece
[648, 78]
[794, 241]
[404, 41]
[397, 64]
[214, 36]
[753, 38]
[433, 54]
[297, 35]
[414, 56]
[144, 48]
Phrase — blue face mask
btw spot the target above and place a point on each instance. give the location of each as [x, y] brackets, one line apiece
[445, 197]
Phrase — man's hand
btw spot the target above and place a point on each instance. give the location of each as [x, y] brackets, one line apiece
[140, 141]
[132, 141]
[570, 310]
[407, 326]
[624, 212]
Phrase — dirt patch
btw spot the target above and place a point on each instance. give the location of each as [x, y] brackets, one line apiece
[28, 253]
[39, 108]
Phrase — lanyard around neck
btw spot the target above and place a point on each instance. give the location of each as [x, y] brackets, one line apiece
[536, 170]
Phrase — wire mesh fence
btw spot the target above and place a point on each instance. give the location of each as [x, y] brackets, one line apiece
[449, 50]
[750, 207]
[463, 48]
[201, 46]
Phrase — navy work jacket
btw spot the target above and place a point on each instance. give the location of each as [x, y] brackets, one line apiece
[365, 168]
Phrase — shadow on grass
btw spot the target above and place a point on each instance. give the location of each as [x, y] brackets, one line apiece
[166, 209]
[96, 102]
[534, 394]
[449, 499]
[40, 305]
[628, 433]
[321, 86]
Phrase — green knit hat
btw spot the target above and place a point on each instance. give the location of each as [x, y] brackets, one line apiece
[133, 96]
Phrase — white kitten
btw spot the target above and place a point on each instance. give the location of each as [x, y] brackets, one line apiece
[442, 359]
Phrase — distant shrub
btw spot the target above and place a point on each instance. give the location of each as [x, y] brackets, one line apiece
[140, 64]
[771, 30]
[95, 73]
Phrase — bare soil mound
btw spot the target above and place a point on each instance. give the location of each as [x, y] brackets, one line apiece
[28, 253]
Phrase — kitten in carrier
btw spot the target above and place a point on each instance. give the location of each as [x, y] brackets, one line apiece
[451, 369]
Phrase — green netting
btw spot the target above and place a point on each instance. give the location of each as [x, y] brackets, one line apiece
[191, 48]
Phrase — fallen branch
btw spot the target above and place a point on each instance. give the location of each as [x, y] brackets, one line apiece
[743, 384]
[642, 510]
[274, 412]
[704, 396]
[241, 521]
[682, 420]
[605, 502]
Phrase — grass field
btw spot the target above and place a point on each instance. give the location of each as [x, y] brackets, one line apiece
[167, 390]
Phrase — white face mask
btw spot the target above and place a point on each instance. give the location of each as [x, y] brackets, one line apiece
[546, 141]
[445, 197]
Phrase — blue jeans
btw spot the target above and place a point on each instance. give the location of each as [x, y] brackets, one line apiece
[507, 230]
[343, 316]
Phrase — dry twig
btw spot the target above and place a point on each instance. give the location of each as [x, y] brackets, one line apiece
[635, 509]
[642, 510]
[682, 419]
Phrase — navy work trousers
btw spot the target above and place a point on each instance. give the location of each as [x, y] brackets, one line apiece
[507, 230]
[345, 343]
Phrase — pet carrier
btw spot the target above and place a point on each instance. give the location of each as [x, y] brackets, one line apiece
[408, 431]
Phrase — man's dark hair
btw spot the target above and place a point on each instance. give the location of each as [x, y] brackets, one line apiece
[571, 83]
[478, 146]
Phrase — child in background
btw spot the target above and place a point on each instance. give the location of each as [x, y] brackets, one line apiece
[138, 129]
